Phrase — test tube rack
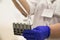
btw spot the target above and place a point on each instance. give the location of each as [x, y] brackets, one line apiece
[19, 28]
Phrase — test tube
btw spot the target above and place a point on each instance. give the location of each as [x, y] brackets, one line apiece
[21, 28]
[14, 28]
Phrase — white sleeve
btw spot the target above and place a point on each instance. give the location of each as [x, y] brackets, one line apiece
[41, 6]
[32, 4]
[57, 8]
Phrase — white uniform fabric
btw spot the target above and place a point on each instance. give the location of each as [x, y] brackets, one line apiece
[32, 4]
[37, 7]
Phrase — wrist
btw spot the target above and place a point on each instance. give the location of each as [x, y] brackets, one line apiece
[55, 30]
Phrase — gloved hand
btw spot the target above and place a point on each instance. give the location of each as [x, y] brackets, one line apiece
[38, 33]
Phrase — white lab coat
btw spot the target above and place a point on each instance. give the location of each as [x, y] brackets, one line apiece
[38, 7]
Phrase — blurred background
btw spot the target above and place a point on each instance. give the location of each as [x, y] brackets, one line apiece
[9, 15]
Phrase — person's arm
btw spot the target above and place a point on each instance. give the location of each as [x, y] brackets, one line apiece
[55, 30]
[25, 4]
[43, 32]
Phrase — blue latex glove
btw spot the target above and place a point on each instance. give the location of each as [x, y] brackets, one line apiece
[38, 33]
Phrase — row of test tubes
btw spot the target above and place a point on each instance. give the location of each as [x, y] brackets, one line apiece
[19, 28]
